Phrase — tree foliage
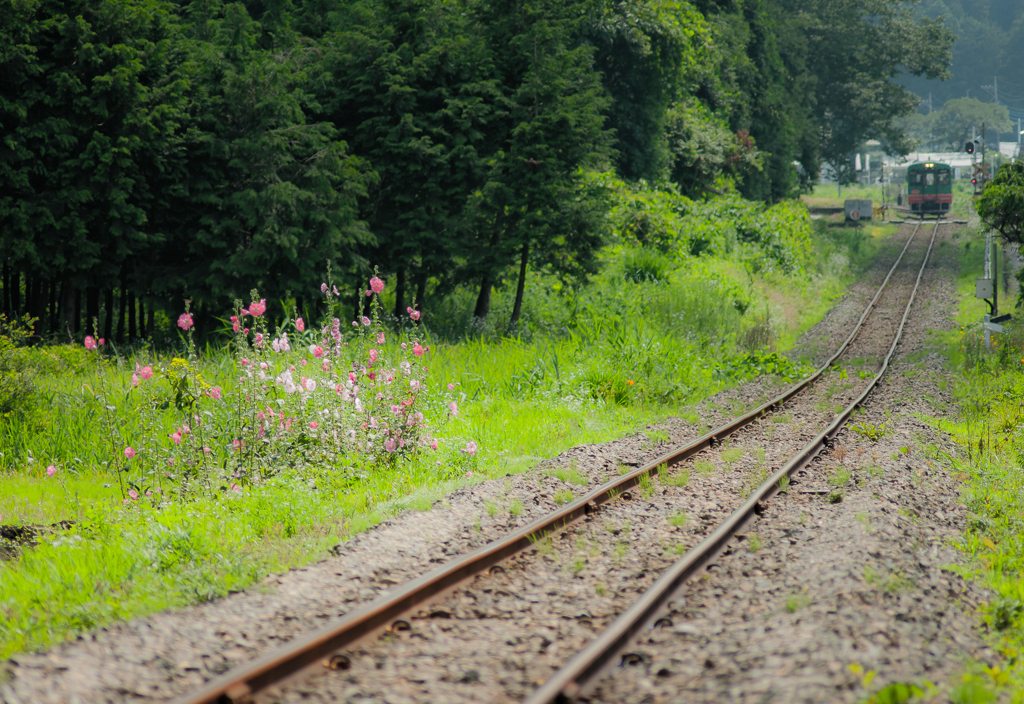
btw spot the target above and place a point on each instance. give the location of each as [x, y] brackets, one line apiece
[1001, 205]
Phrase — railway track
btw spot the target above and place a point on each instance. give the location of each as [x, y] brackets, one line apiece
[478, 584]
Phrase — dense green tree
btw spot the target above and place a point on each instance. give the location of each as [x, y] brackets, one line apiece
[410, 85]
[271, 197]
[552, 127]
[1001, 205]
[92, 102]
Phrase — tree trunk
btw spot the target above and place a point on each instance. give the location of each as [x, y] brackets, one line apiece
[142, 318]
[78, 311]
[67, 308]
[483, 301]
[149, 319]
[92, 310]
[108, 313]
[54, 297]
[517, 309]
[400, 293]
[5, 281]
[132, 329]
[38, 309]
[121, 303]
[16, 294]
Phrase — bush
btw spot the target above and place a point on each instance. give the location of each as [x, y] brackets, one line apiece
[17, 380]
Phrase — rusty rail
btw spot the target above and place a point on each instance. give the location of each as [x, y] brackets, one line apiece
[585, 668]
[321, 647]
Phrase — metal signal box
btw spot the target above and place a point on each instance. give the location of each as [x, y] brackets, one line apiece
[983, 288]
[857, 209]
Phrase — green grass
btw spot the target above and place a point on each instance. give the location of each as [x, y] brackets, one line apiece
[589, 366]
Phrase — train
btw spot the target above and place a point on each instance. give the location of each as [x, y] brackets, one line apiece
[929, 189]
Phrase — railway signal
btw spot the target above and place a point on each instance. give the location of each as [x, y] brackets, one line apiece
[969, 147]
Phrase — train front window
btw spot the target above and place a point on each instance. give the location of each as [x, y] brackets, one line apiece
[929, 179]
[915, 179]
[943, 178]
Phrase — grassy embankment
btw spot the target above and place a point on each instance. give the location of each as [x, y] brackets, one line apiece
[662, 326]
[989, 433]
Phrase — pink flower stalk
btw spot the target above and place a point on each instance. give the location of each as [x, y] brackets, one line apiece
[215, 393]
[352, 377]
[146, 372]
[433, 445]
[390, 445]
[256, 309]
[451, 387]
[417, 350]
[245, 362]
[102, 342]
[129, 452]
[51, 470]
[376, 284]
[185, 321]
[316, 350]
[176, 437]
[326, 366]
[373, 356]
[299, 324]
[90, 342]
[133, 494]
[236, 487]
[366, 321]
[323, 288]
[413, 313]
[453, 408]
[259, 339]
[135, 379]
[314, 425]
[235, 325]
[470, 448]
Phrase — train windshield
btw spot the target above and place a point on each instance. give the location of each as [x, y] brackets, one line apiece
[929, 179]
[915, 178]
[943, 177]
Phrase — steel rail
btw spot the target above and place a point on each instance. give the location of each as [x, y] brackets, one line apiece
[243, 683]
[582, 672]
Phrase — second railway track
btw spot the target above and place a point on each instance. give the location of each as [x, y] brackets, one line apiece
[508, 617]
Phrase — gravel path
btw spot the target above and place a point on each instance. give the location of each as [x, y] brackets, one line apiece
[494, 640]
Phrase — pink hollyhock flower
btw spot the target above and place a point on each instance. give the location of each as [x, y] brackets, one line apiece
[235, 325]
[207, 450]
[453, 408]
[376, 285]
[470, 448]
[417, 350]
[215, 393]
[390, 445]
[323, 288]
[256, 309]
[244, 312]
[146, 372]
[316, 350]
[133, 494]
[380, 338]
[309, 384]
[326, 366]
[413, 313]
[433, 445]
[135, 379]
[90, 342]
[176, 437]
[264, 366]
[314, 425]
[355, 323]
[369, 293]
[185, 321]
[245, 362]
[451, 387]
[366, 321]
[237, 444]
[51, 470]
[236, 487]
[300, 325]
[129, 453]
[103, 341]
[259, 339]
[373, 356]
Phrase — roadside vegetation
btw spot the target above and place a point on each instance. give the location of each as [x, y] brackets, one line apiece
[988, 430]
